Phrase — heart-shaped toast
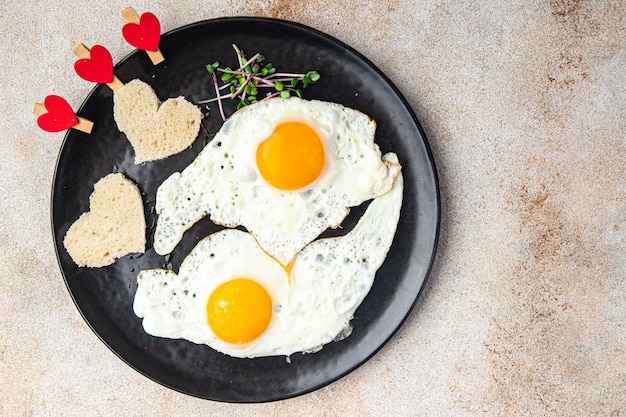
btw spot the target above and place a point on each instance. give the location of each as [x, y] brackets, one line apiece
[155, 130]
[114, 226]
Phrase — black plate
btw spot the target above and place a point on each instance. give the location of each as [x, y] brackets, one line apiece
[104, 296]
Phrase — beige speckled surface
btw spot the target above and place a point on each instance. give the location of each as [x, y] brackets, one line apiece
[524, 314]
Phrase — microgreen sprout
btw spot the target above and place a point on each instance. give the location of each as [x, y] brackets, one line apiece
[245, 81]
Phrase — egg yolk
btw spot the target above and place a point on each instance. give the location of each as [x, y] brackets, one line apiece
[292, 157]
[239, 310]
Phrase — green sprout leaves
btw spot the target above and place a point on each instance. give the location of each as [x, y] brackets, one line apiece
[245, 82]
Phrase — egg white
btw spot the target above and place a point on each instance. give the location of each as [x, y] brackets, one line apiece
[225, 182]
[174, 305]
[312, 305]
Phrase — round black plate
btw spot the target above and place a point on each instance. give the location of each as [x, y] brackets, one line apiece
[104, 296]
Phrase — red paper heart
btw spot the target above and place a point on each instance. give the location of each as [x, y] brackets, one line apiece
[145, 35]
[60, 115]
[98, 67]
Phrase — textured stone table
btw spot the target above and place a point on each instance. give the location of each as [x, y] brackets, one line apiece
[524, 106]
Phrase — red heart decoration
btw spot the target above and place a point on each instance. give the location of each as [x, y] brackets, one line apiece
[98, 67]
[145, 35]
[60, 115]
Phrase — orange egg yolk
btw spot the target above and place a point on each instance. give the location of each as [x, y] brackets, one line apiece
[292, 157]
[239, 310]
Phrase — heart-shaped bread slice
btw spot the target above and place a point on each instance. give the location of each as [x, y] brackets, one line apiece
[114, 226]
[155, 130]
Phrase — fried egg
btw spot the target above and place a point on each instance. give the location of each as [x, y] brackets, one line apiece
[284, 169]
[231, 295]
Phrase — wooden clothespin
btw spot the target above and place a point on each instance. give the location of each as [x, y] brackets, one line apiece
[55, 114]
[96, 65]
[143, 32]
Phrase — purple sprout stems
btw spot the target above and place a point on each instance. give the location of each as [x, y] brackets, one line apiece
[206, 132]
[240, 56]
[225, 86]
[219, 99]
[248, 79]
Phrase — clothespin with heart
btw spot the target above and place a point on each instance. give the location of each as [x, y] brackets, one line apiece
[143, 32]
[55, 114]
[96, 65]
